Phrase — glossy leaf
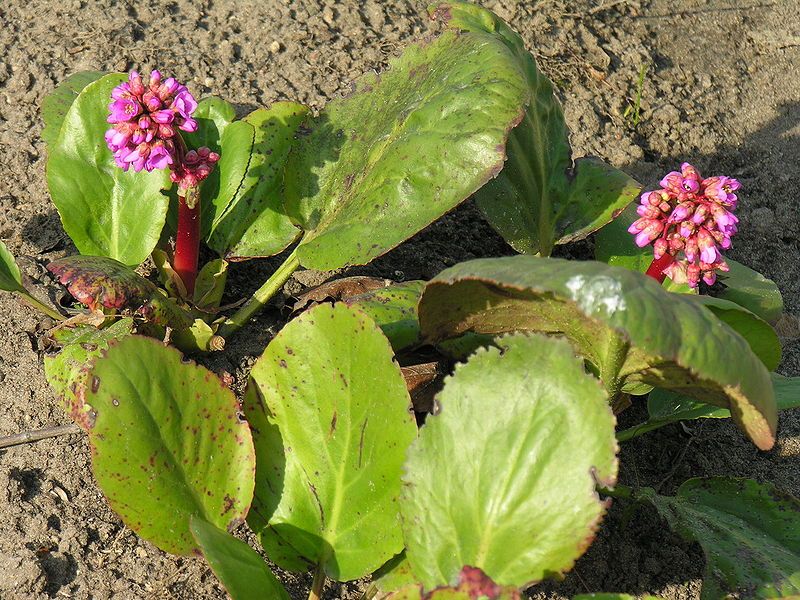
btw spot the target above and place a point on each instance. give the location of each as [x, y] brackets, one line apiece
[167, 442]
[10, 277]
[752, 290]
[71, 363]
[331, 420]
[104, 210]
[627, 326]
[540, 199]
[255, 223]
[56, 104]
[394, 309]
[760, 336]
[665, 407]
[394, 575]
[523, 432]
[472, 584]
[98, 281]
[241, 569]
[749, 532]
[615, 246]
[213, 115]
[403, 148]
[219, 189]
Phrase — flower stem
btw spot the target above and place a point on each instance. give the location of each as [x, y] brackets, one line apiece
[261, 296]
[318, 583]
[658, 265]
[40, 306]
[187, 239]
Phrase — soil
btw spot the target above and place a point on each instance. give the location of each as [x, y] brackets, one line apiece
[719, 90]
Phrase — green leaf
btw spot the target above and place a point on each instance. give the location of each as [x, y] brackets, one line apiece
[752, 290]
[99, 281]
[255, 223]
[213, 115]
[210, 284]
[104, 210]
[628, 327]
[331, 422]
[540, 199]
[403, 148]
[69, 365]
[749, 532]
[523, 432]
[10, 278]
[167, 442]
[760, 336]
[218, 190]
[616, 247]
[394, 575]
[241, 569]
[394, 309]
[665, 407]
[56, 104]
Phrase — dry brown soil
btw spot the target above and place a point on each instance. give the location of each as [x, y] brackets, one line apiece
[721, 90]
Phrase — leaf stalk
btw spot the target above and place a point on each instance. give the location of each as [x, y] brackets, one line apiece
[318, 583]
[40, 306]
[261, 296]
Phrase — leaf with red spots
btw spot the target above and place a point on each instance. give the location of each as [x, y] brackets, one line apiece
[503, 477]
[750, 534]
[168, 442]
[97, 281]
[331, 423]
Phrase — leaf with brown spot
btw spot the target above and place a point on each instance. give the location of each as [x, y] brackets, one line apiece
[97, 281]
[167, 443]
[473, 584]
[338, 290]
[330, 430]
[522, 432]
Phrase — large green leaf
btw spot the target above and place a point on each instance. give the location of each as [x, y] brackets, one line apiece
[331, 421]
[752, 290]
[167, 442]
[750, 534]
[10, 277]
[403, 148]
[628, 327]
[255, 224]
[523, 432]
[86, 343]
[394, 309]
[241, 570]
[665, 407]
[106, 211]
[760, 336]
[97, 281]
[540, 199]
[57, 103]
[213, 115]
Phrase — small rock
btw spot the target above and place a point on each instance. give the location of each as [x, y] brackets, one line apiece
[275, 47]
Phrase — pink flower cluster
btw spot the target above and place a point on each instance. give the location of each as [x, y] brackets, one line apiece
[195, 166]
[692, 216]
[145, 119]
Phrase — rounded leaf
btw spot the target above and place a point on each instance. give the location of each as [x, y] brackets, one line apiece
[523, 432]
[331, 420]
[626, 325]
[57, 103]
[168, 442]
[403, 148]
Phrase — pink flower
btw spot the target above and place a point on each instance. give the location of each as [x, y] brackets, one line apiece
[144, 119]
[692, 216]
[194, 168]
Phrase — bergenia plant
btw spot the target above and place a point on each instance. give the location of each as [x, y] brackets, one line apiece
[452, 438]
[690, 217]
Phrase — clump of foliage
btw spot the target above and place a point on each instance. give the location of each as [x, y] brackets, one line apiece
[508, 479]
